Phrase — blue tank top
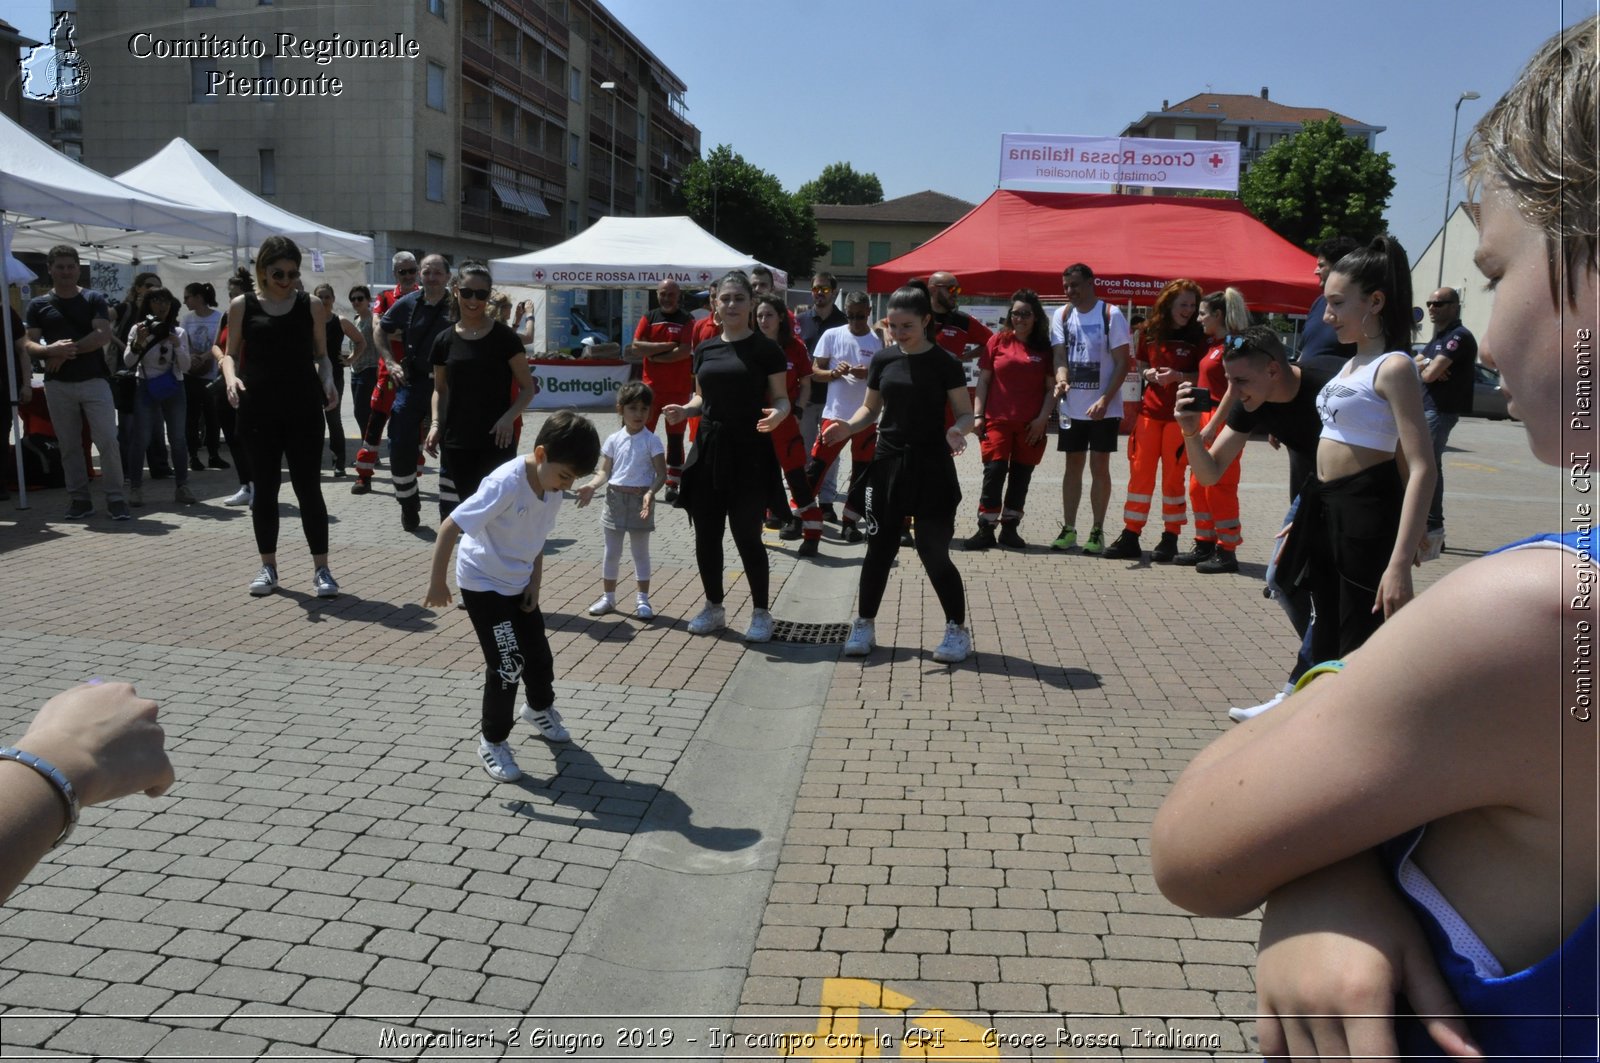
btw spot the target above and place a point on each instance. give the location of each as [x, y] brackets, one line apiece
[1547, 1011]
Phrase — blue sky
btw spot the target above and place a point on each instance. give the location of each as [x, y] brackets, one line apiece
[795, 86]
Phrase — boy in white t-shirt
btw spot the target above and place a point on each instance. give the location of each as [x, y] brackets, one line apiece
[503, 528]
[841, 360]
[1090, 339]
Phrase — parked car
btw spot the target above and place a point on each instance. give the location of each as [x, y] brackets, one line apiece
[1487, 398]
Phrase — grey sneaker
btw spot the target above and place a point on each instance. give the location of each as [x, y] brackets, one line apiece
[183, 496]
[548, 722]
[712, 618]
[326, 586]
[955, 647]
[862, 638]
[118, 508]
[498, 761]
[135, 494]
[79, 508]
[265, 583]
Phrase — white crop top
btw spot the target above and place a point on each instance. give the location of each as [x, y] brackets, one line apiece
[1353, 412]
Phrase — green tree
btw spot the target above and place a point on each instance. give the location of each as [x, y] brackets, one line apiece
[1319, 184]
[747, 208]
[839, 182]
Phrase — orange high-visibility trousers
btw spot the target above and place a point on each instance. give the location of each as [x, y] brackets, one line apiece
[1216, 508]
[1156, 442]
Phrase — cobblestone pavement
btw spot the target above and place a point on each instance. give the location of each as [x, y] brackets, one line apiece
[786, 844]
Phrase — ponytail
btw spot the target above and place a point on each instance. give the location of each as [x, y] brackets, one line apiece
[1236, 317]
[1382, 266]
[204, 290]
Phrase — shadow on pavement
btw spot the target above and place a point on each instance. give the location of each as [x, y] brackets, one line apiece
[583, 786]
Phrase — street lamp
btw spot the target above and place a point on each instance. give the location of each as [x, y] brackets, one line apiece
[1449, 181]
[611, 87]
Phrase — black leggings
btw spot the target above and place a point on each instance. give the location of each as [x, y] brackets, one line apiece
[201, 425]
[515, 650]
[742, 514]
[1352, 523]
[936, 525]
[335, 421]
[462, 470]
[229, 421]
[272, 436]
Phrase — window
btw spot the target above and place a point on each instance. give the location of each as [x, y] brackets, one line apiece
[436, 7]
[264, 66]
[435, 178]
[844, 253]
[202, 3]
[1186, 131]
[575, 152]
[878, 251]
[435, 86]
[269, 172]
[643, 123]
[200, 71]
[575, 78]
[572, 216]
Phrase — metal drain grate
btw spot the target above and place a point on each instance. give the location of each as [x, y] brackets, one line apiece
[812, 634]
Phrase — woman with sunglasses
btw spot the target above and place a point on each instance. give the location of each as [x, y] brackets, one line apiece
[280, 381]
[239, 283]
[364, 364]
[481, 385]
[1016, 395]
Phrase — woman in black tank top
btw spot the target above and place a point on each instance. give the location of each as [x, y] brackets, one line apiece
[279, 377]
[336, 330]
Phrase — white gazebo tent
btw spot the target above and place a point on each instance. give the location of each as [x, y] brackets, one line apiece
[47, 198]
[180, 172]
[629, 253]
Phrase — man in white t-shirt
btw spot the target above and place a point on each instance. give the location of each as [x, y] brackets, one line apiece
[841, 360]
[1090, 340]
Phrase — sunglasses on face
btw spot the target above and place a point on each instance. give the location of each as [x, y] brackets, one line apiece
[409, 271]
[280, 275]
[358, 298]
[820, 289]
[953, 289]
[478, 294]
[1436, 303]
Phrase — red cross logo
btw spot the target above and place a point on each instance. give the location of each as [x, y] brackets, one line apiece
[704, 276]
[538, 274]
[1216, 161]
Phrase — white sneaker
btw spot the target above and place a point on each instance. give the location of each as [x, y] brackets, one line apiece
[642, 609]
[1432, 545]
[862, 638]
[602, 605]
[711, 618]
[1238, 715]
[548, 721]
[242, 497]
[498, 761]
[760, 629]
[265, 583]
[956, 645]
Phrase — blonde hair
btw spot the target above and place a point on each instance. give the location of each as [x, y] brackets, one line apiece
[1540, 144]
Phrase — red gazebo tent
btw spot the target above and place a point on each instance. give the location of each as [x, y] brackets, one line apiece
[1134, 244]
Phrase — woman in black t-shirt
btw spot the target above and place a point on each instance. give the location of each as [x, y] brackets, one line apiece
[913, 473]
[740, 393]
[481, 385]
[278, 377]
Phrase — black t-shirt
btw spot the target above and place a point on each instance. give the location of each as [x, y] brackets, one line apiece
[1295, 423]
[1453, 394]
[915, 392]
[480, 381]
[70, 319]
[733, 378]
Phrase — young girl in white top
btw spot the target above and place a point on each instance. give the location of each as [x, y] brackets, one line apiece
[633, 466]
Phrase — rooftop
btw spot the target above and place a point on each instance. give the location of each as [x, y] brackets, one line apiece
[924, 206]
[1243, 107]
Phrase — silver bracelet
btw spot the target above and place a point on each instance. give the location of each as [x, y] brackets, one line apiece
[63, 785]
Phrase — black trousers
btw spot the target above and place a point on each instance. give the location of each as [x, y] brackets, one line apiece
[516, 652]
[1013, 477]
[1352, 523]
[741, 511]
[202, 425]
[275, 432]
[920, 486]
[461, 471]
[228, 420]
[335, 421]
